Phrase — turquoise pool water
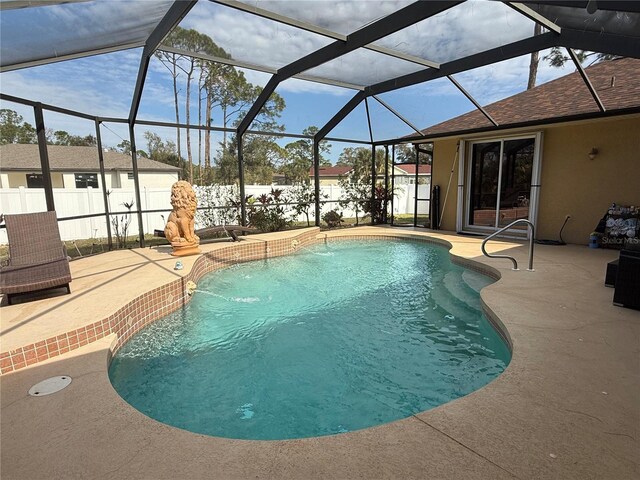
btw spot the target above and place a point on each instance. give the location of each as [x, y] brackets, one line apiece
[337, 338]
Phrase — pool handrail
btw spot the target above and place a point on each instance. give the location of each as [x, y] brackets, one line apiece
[515, 262]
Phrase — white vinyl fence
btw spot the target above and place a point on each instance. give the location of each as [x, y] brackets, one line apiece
[72, 203]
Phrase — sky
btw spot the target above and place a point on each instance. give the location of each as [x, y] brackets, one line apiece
[104, 84]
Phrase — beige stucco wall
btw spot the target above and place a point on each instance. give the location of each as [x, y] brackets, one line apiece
[329, 181]
[571, 183]
[70, 180]
[19, 179]
[113, 180]
[149, 179]
[444, 152]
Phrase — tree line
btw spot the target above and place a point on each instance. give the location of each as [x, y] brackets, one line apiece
[222, 90]
[263, 156]
[13, 129]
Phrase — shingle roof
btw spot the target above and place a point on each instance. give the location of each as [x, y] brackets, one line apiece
[410, 168]
[332, 171]
[617, 83]
[63, 158]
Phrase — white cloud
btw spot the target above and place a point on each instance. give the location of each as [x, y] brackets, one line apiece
[256, 40]
[494, 82]
[466, 29]
[294, 85]
[336, 15]
[250, 38]
[100, 85]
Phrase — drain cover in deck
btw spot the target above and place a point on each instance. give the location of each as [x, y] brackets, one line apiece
[49, 386]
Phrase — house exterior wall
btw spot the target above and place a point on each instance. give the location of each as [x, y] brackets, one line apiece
[329, 181]
[148, 179]
[19, 179]
[571, 183]
[408, 179]
[70, 180]
[117, 179]
[112, 179]
[444, 153]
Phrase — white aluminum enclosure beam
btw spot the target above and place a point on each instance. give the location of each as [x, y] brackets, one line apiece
[388, 107]
[14, 4]
[471, 99]
[535, 16]
[261, 12]
[586, 80]
[71, 56]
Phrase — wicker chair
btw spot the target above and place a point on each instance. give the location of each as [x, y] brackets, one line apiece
[37, 257]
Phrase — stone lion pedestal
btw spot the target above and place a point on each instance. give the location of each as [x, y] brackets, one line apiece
[180, 225]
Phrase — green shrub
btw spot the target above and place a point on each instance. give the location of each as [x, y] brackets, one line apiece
[332, 218]
[265, 213]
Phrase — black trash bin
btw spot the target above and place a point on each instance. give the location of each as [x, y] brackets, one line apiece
[627, 292]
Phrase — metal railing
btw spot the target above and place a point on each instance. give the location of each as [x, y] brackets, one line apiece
[495, 234]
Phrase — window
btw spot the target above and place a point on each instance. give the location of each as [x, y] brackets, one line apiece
[34, 180]
[85, 180]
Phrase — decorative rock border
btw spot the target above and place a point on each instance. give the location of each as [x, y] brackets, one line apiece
[166, 299]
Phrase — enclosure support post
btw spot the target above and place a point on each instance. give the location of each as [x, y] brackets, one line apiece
[176, 12]
[316, 177]
[105, 198]
[243, 207]
[44, 158]
[136, 183]
[415, 189]
[393, 179]
[373, 185]
[386, 184]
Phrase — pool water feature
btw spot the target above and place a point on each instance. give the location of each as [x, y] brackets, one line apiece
[336, 338]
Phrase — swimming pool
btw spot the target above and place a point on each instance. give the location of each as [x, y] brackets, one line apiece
[337, 338]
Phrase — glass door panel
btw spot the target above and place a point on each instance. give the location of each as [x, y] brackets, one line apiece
[483, 197]
[515, 181]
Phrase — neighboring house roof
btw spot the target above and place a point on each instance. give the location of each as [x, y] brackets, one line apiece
[410, 168]
[617, 83]
[73, 159]
[337, 171]
[332, 171]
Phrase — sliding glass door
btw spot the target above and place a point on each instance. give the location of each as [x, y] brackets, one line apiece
[499, 181]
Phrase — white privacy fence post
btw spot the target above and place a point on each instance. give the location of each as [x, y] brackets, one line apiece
[92, 222]
[23, 200]
[147, 226]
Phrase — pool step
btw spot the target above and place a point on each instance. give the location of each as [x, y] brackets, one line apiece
[461, 290]
[475, 281]
[454, 296]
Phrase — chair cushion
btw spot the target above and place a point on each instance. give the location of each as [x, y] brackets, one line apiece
[22, 279]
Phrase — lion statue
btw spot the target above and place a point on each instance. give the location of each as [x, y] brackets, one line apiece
[180, 226]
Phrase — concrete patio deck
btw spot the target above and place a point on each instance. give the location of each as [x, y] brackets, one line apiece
[567, 407]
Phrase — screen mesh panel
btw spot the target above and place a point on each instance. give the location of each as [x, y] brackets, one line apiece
[51, 31]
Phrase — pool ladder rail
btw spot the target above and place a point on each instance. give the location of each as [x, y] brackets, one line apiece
[515, 262]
